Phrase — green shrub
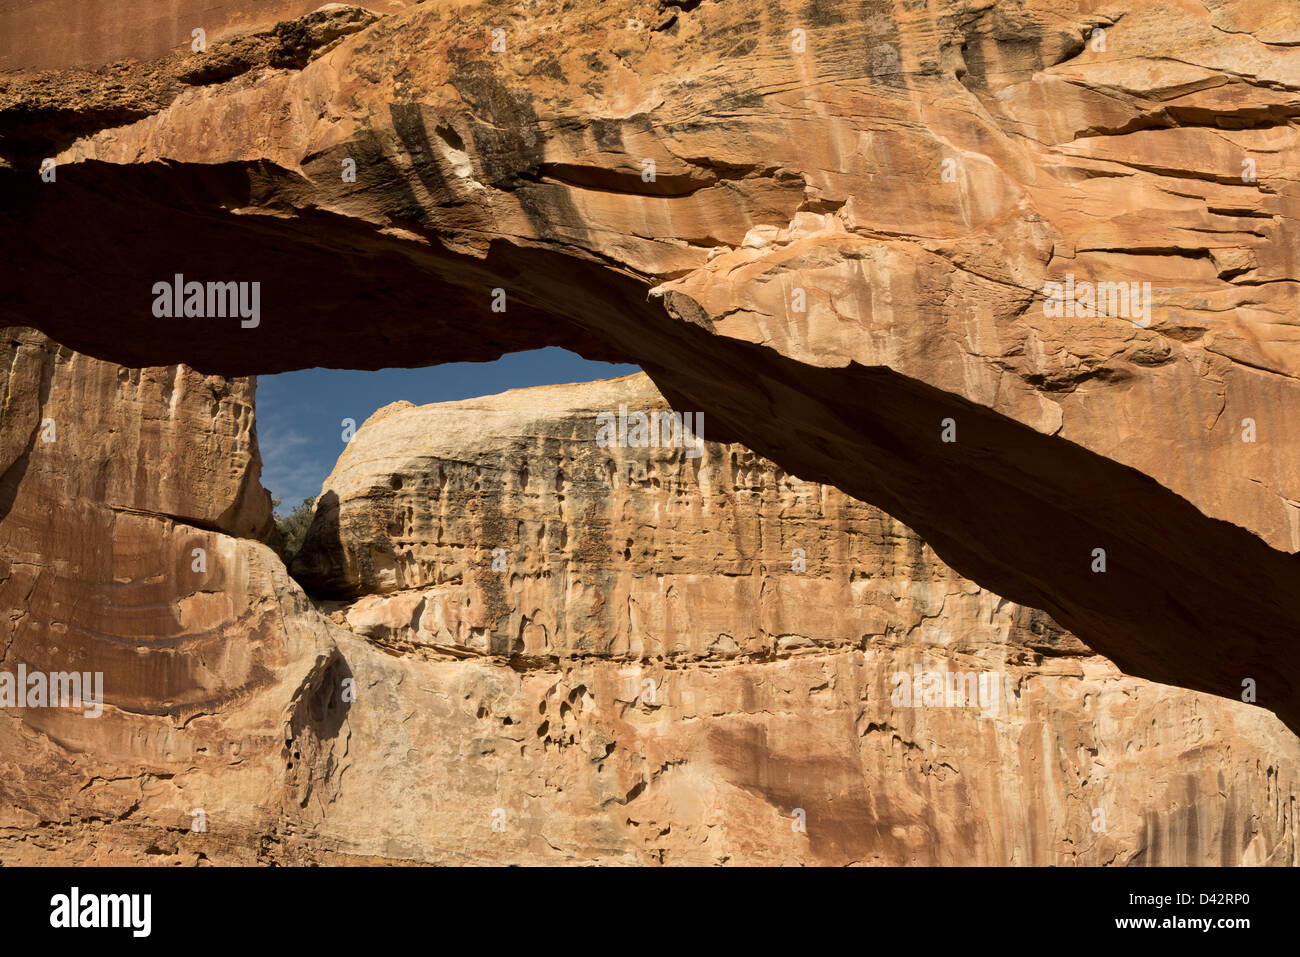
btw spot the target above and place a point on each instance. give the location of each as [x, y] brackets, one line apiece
[293, 527]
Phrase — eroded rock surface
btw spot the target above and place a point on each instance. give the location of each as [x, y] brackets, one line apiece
[854, 213]
[684, 700]
[130, 513]
[670, 653]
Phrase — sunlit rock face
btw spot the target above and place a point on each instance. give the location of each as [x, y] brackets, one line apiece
[65, 34]
[590, 520]
[870, 241]
[676, 652]
[130, 519]
[709, 696]
[1060, 234]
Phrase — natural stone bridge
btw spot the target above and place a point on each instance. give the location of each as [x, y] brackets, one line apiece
[828, 227]
[1116, 155]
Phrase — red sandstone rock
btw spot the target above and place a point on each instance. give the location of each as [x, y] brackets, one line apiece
[846, 243]
[685, 698]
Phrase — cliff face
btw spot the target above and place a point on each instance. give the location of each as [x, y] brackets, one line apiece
[702, 648]
[572, 522]
[866, 239]
[67, 35]
[703, 694]
[130, 513]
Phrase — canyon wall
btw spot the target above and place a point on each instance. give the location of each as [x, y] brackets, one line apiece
[846, 231]
[130, 525]
[526, 645]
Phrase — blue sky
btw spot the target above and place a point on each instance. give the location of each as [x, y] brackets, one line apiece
[300, 414]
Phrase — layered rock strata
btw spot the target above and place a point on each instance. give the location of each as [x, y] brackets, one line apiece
[842, 230]
[712, 651]
[130, 519]
[727, 699]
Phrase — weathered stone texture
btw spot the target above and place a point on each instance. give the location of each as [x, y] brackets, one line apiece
[855, 211]
[675, 701]
[842, 258]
